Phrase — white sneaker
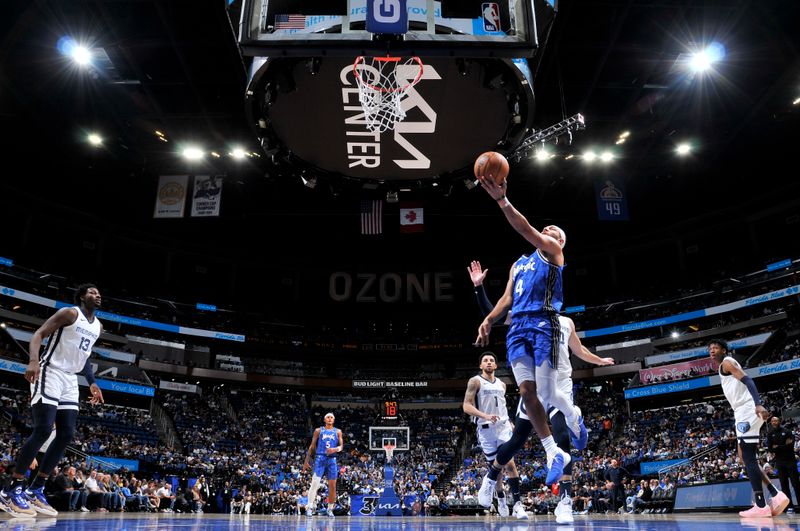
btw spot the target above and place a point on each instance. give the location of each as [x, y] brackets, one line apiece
[502, 507]
[519, 511]
[563, 511]
[486, 493]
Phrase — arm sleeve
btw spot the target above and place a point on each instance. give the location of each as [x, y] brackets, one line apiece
[751, 386]
[88, 373]
[483, 301]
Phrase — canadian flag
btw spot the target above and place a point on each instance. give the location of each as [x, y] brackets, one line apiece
[411, 218]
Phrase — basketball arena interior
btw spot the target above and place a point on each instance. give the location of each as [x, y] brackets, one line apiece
[279, 204]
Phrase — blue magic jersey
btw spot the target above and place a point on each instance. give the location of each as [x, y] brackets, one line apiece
[328, 438]
[537, 286]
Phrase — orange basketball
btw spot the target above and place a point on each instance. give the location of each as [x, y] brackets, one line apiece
[492, 165]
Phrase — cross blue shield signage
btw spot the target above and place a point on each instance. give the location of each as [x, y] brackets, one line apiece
[387, 16]
[612, 205]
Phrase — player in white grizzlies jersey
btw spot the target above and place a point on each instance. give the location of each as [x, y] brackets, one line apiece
[71, 332]
[485, 401]
[569, 341]
[749, 415]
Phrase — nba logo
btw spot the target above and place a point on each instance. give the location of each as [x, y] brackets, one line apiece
[491, 16]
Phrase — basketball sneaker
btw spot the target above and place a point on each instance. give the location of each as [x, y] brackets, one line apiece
[778, 503]
[309, 512]
[38, 501]
[502, 506]
[329, 513]
[756, 512]
[578, 435]
[563, 511]
[519, 511]
[486, 492]
[14, 503]
[555, 466]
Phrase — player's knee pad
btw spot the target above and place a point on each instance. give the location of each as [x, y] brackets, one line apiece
[560, 431]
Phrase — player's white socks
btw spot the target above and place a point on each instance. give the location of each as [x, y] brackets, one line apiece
[312, 492]
[550, 446]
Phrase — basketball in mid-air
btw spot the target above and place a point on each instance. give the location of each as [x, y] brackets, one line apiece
[493, 166]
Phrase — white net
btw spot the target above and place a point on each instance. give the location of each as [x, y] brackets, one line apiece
[382, 85]
[389, 449]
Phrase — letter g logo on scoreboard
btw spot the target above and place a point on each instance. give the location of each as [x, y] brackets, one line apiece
[387, 16]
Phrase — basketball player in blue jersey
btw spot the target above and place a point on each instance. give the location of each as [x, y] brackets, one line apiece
[71, 333]
[326, 443]
[569, 341]
[533, 296]
[749, 415]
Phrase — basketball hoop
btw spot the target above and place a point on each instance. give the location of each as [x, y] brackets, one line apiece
[382, 83]
[389, 449]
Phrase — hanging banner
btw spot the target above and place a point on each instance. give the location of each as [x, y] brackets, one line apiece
[677, 371]
[612, 204]
[206, 195]
[171, 196]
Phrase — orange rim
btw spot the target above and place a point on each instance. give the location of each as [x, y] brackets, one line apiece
[387, 59]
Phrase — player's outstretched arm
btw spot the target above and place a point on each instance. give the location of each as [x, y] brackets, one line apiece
[584, 353]
[520, 224]
[501, 308]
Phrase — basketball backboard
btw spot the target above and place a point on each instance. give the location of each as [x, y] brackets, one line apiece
[460, 28]
[381, 435]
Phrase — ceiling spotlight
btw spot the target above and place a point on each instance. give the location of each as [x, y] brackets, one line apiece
[675, 334]
[193, 153]
[238, 153]
[542, 155]
[81, 55]
[215, 154]
[795, 102]
[700, 61]
[95, 139]
[589, 156]
[620, 140]
[570, 156]
[607, 156]
[625, 134]
[683, 149]
[159, 133]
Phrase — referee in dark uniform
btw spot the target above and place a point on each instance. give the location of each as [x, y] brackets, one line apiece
[780, 441]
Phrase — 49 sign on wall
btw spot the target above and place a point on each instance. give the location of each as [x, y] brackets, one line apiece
[453, 113]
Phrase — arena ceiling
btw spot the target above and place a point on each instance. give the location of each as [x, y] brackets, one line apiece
[174, 67]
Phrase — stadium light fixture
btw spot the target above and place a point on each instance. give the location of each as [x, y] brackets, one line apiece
[95, 139]
[193, 153]
[683, 149]
[238, 153]
[607, 156]
[590, 156]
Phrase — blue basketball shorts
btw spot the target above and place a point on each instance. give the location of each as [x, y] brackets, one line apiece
[326, 465]
[536, 336]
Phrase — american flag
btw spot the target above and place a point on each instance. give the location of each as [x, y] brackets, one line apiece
[285, 22]
[372, 216]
